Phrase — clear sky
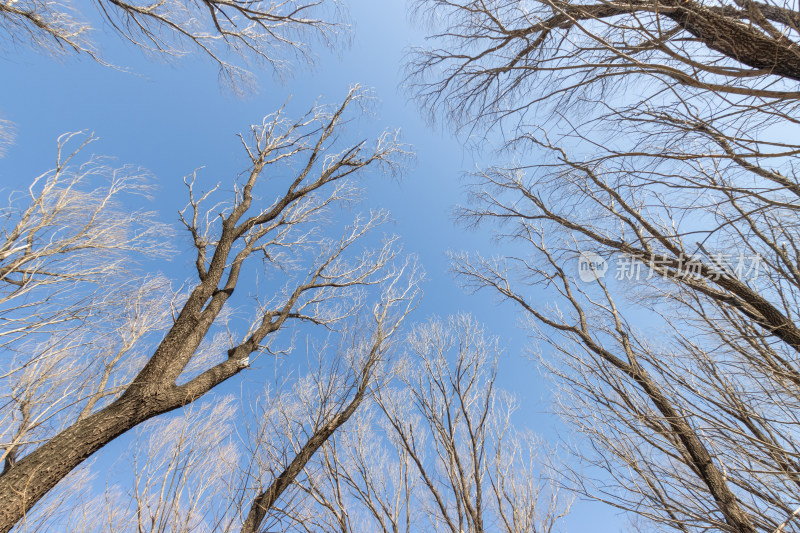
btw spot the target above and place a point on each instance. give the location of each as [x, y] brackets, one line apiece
[172, 119]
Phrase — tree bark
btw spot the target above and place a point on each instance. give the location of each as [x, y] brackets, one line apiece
[38, 472]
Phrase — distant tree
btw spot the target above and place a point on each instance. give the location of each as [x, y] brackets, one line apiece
[665, 141]
[92, 352]
[436, 451]
[230, 33]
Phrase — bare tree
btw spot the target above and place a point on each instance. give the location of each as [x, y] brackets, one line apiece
[181, 468]
[130, 381]
[219, 466]
[175, 476]
[505, 58]
[230, 33]
[329, 397]
[435, 452]
[70, 231]
[663, 134]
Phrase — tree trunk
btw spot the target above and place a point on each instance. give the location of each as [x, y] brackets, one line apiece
[35, 474]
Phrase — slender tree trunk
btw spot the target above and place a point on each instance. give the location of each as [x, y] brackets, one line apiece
[264, 501]
[700, 457]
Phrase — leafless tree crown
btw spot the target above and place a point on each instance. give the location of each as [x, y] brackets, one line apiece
[230, 33]
[660, 137]
[94, 352]
[435, 449]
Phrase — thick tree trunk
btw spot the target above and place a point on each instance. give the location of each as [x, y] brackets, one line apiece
[34, 475]
[738, 40]
[38, 472]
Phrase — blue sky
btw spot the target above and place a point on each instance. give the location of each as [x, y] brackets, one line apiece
[174, 118]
